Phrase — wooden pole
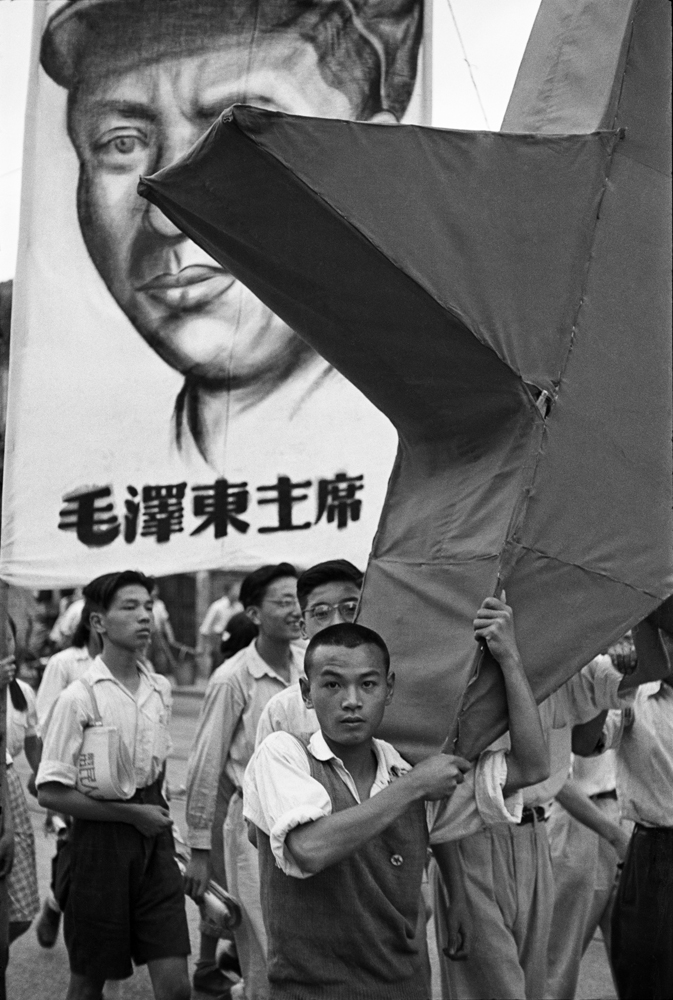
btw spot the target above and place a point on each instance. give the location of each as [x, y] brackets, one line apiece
[4, 901]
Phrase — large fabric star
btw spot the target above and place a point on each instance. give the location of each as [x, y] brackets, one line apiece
[503, 298]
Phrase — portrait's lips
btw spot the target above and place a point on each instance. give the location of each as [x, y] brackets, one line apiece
[191, 288]
[352, 721]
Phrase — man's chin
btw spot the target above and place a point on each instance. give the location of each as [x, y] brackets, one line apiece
[209, 351]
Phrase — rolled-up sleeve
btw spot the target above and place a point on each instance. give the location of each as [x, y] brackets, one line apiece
[477, 802]
[63, 741]
[613, 730]
[593, 689]
[52, 684]
[221, 711]
[279, 794]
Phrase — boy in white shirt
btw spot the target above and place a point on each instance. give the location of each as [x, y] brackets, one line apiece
[138, 914]
[343, 821]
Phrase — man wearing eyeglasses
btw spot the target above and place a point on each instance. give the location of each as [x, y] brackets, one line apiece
[328, 594]
[225, 741]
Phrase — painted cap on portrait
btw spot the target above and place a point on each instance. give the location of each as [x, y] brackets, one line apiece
[371, 44]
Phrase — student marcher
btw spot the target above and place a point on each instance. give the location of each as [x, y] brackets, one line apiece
[24, 901]
[125, 897]
[225, 741]
[509, 890]
[642, 919]
[343, 821]
[328, 594]
[587, 843]
[62, 669]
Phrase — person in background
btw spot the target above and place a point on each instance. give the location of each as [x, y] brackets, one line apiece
[328, 594]
[225, 741]
[24, 900]
[588, 843]
[125, 897]
[498, 932]
[70, 610]
[62, 669]
[160, 651]
[642, 919]
[240, 633]
[214, 625]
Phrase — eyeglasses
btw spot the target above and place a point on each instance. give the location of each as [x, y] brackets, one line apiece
[323, 612]
[284, 603]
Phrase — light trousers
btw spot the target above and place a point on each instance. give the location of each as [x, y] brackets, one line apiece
[585, 884]
[510, 893]
[242, 867]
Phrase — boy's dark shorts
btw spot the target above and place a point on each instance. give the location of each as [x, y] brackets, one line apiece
[126, 899]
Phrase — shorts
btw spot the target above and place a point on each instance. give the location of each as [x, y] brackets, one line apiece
[24, 900]
[126, 901]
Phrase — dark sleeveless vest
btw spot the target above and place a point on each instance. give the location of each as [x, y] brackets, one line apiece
[348, 933]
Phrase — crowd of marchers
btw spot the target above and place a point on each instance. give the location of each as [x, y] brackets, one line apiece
[328, 850]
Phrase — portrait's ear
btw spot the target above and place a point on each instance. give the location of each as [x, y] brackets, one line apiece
[305, 688]
[302, 625]
[390, 684]
[384, 118]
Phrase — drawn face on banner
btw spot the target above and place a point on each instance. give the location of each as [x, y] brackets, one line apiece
[145, 81]
[127, 122]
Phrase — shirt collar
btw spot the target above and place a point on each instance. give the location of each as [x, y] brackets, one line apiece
[98, 671]
[258, 667]
[652, 688]
[389, 762]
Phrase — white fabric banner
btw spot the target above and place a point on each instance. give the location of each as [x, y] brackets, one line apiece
[159, 415]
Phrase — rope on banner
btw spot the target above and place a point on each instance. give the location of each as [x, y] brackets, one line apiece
[468, 64]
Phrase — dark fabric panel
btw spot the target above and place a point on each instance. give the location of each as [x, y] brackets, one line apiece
[496, 227]
[371, 321]
[609, 448]
[415, 260]
[433, 646]
[564, 617]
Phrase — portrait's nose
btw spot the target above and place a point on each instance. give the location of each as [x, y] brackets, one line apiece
[161, 224]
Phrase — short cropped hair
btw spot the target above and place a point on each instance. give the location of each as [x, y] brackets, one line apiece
[256, 584]
[349, 635]
[101, 591]
[332, 571]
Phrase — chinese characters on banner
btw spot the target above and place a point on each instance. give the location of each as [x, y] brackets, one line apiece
[160, 511]
[159, 414]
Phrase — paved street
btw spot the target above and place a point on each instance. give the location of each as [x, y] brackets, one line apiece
[36, 974]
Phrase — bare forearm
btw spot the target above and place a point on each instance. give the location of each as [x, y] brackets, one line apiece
[326, 841]
[448, 861]
[62, 799]
[584, 811]
[528, 761]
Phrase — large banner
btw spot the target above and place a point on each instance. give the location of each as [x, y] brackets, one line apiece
[160, 415]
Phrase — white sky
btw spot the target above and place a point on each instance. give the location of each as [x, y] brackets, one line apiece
[477, 48]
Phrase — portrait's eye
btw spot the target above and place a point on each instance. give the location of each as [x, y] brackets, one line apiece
[121, 148]
[125, 144]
